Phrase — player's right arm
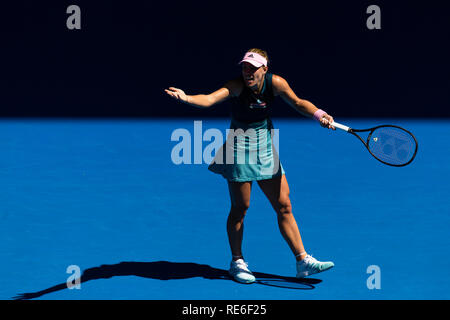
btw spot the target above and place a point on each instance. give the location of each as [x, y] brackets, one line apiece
[231, 89]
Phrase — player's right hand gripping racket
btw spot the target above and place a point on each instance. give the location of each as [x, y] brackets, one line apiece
[391, 145]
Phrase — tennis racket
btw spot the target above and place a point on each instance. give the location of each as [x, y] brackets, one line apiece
[391, 145]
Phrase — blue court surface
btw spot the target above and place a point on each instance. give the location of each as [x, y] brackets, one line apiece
[104, 196]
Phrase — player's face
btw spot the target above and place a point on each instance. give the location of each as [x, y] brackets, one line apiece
[253, 76]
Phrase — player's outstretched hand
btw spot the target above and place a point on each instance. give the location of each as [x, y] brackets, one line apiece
[176, 94]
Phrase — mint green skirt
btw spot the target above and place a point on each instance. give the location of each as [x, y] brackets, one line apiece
[249, 153]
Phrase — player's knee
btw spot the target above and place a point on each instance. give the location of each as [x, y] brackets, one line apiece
[239, 210]
[240, 207]
[284, 205]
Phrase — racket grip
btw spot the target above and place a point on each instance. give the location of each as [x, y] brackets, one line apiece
[340, 126]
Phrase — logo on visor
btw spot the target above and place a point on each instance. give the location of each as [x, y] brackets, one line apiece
[250, 56]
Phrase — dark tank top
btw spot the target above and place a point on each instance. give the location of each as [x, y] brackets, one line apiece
[250, 107]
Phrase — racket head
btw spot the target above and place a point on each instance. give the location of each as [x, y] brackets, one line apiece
[392, 145]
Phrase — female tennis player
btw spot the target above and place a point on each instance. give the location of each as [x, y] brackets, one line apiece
[253, 92]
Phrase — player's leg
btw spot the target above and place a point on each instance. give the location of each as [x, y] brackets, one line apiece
[277, 191]
[240, 202]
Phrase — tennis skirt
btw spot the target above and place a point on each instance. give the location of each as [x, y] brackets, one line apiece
[249, 154]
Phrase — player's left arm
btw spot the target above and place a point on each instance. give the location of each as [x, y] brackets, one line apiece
[281, 87]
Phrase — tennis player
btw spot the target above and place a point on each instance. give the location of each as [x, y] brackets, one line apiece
[253, 92]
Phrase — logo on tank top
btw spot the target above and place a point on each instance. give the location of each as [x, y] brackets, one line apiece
[258, 105]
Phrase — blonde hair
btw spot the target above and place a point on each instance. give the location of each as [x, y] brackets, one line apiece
[261, 52]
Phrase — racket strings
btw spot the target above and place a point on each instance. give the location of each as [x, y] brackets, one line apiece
[392, 145]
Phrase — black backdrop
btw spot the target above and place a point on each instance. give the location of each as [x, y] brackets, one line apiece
[127, 52]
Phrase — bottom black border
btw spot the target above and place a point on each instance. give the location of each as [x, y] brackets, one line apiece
[230, 309]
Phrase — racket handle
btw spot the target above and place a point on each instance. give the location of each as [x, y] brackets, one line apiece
[340, 126]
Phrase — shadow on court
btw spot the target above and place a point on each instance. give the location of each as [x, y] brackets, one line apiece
[165, 270]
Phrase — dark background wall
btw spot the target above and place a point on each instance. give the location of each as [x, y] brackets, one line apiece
[127, 52]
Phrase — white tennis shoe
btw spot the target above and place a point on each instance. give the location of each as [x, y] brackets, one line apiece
[240, 272]
[310, 265]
